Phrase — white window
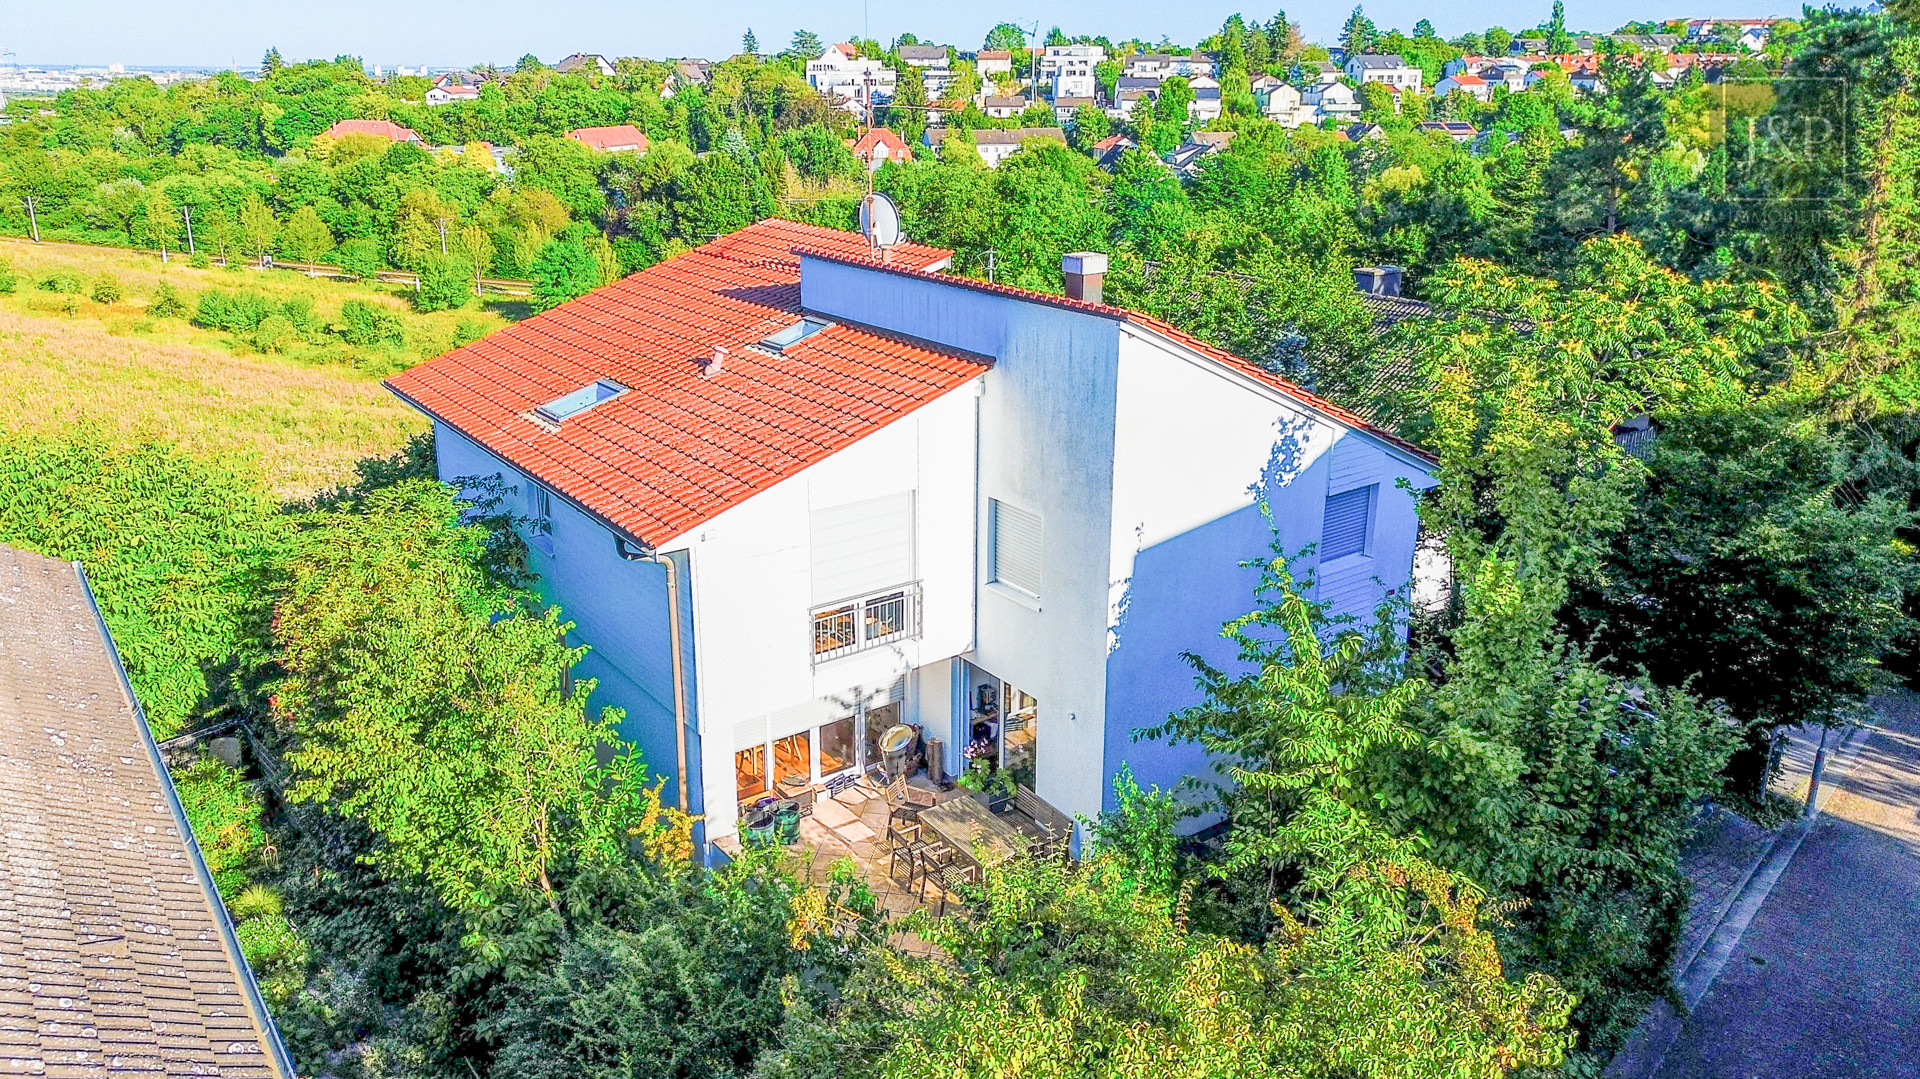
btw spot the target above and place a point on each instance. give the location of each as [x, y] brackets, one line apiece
[1349, 519]
[1015, 547]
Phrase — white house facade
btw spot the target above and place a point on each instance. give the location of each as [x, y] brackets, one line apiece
[793, 493]
[1069, 69]
[1388, 68]
[862, 83]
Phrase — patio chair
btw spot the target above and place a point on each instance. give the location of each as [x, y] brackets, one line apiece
[903, 841]
[946, 876]
[902, 793]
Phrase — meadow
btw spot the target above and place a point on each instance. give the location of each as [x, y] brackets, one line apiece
[299, 416]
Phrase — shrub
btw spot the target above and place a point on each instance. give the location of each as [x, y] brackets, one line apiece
[70, 304]
[226, 816]
[276, 334]
[234, 312]
[298, 310]
[106, 289]
[360, 257]
[444, 286]
[167, 302]
[199, 260]
[62, 281]
[9, 281]
[179, 551]
[469, 330]
[365, 325]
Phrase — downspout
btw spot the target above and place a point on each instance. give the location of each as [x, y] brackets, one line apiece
[679, 675]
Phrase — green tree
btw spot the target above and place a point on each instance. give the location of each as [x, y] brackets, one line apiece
[1424, 30]
[806, 45]
[258, 226]
[306, 237]
[432, 702]
[1499, 41]
[161, 222]
[749, 44]
[1558, 40]
[563, 271]
[1005, 37]
[271, 63]
[1358, 34]
[180, 553]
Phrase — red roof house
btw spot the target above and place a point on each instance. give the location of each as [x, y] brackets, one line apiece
[385, 129]
[879, 146]
[617, 139]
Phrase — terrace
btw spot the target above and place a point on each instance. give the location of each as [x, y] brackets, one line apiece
[915, 844]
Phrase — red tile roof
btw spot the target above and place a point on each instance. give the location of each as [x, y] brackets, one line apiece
[856, 255]
[883, 138]
[681, 449]
[617, 137]
[386, 129]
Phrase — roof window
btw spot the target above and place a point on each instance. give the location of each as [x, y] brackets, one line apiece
[604, 389]
[792, 335]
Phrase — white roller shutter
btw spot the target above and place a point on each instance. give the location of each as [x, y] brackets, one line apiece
[1345, 530]
[862, 548]
[1016, 547]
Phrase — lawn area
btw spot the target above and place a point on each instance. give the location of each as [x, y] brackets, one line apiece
[301, 417]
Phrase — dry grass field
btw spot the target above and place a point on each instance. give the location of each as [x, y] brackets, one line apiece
[301, 419]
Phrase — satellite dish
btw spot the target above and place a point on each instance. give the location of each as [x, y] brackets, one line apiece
[879, 221]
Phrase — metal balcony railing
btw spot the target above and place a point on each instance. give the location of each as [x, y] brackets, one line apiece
[862, 622]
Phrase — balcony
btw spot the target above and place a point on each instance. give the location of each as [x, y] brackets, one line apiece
[863, 622]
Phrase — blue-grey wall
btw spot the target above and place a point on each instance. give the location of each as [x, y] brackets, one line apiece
[618, 607]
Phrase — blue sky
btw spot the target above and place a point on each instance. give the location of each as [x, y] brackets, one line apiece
[413, 32]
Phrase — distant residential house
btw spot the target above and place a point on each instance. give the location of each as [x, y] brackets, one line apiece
[1206, 105]
[992, 62]
[923, 55]
[807, 495]
[1528, 46]
[1363, 132]
[1147, 65]
[1127, 103]
[1587, 80]
[1472, 85]
[879, 146]
[385, 129]
[995, 146]
[1264, 85]
[1386, 68]
[1063, 107]
[1754, 38]
[1511, 75]
[1069, 69]
[1185, 159]
[1004, 108]
[446, 93]
[1332, 99]
[1458, 130]
[618, 139]
[1317, 72]
[584, 63]
[1108, 151]
[1650, 42]
[855, 83]
[692, 71]
[936, 71]
[1285, 106]
[1202, 82]
[1196, 63]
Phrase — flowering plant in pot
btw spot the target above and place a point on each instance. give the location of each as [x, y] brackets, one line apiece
[982, 778]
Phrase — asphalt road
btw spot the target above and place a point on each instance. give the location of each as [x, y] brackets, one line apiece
[1826, 980]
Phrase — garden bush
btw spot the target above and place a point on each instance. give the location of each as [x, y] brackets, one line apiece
[61, 281]
[106, 289]
[167, 302]
[365, 325]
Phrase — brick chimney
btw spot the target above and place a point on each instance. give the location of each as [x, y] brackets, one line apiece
[710, 366]
[1378, 280]
[1085, 271]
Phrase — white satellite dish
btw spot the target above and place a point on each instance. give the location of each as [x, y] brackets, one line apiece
[879, 221]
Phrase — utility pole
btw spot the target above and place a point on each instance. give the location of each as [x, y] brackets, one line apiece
[32, 219]
[442, 222]
[989, 265]
[187, 212]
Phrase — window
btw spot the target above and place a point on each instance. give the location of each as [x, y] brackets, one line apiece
[542, 511]
[1014, 549]
[873, 620]
[794, 334]
[580, 400]
[1349, 515]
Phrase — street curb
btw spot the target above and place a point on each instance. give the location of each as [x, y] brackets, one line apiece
[1641, 1057]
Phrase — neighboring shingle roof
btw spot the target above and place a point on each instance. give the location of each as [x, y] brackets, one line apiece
[680, 449]
[113, 958]
[1380, 60]
[922, 52]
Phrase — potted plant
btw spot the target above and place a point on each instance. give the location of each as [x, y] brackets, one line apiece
[995, 787]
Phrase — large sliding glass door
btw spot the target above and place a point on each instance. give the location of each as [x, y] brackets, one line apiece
[778, 766]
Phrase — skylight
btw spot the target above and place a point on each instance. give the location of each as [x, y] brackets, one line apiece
[580, 400]
[796, 333]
